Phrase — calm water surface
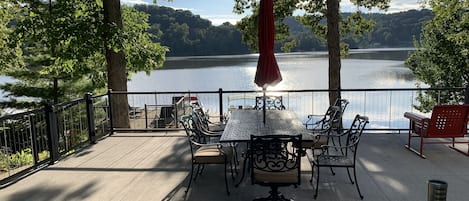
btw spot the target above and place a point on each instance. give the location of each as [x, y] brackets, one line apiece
[373, 68]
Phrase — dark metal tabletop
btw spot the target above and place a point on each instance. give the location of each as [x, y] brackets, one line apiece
[244, 123]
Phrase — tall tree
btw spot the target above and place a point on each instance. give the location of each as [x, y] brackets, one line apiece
[441, 58]
[73, 33]
[315, 11]
[12, 54]
[117, 78]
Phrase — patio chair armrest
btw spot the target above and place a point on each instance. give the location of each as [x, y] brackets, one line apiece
[219, 145]
[339, 134]
[310, 123]
[211, 134]
[418, 123]
[324, 148]
[415, 117]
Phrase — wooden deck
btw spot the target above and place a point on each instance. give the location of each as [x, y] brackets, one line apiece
[155, 166]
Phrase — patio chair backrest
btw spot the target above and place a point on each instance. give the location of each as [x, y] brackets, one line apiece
[332, 116]
[448, 121]
[190, 127]
[275, 155]
[354, 133]
[271, 103]
[342, 103]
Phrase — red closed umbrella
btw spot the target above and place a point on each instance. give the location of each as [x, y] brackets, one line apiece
[267, 73]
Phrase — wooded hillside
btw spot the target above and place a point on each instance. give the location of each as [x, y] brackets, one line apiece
[187, 34]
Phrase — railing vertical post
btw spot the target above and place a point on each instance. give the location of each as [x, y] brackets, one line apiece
[111, 123]
[52, 132]
[90, 118]
[146, 115]
[466, 95]
[34, 142]
[220, 99]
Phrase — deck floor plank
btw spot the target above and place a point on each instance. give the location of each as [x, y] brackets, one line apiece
[155, 166]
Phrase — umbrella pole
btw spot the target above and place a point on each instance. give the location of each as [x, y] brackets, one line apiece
[263, 105]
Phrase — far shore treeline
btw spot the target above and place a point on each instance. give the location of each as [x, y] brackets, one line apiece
[188, 34]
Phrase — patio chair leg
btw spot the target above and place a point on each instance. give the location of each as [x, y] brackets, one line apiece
[312, 175]
[244, 171]
[190, 178]
[421, 147]
[235, 151]
[235, 158]
[197, 172]
[349, 177]
[232, 171]
[356, 183]
[317, 185]
[226, 181]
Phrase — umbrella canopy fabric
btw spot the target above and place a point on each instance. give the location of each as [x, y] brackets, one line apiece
[268, 73]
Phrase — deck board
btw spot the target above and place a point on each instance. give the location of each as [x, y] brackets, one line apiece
[155, 166]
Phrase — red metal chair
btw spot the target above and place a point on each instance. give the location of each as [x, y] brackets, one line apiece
[447, 121]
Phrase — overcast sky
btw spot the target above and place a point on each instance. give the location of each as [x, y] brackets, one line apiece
[219, 11]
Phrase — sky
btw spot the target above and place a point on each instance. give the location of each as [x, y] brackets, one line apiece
[220, 11]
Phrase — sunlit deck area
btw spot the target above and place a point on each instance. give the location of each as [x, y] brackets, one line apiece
[155, 166]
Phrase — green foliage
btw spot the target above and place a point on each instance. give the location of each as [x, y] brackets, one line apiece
[63, 49]
[188, 34]
[16, 160]
[10, 53]
[141, 53]
[441, 58]
[44, 155]
[248, 24]
[20, 159]
[314, 17]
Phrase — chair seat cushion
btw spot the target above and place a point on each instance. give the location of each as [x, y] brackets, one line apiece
[287, 177]
[333, 160]
[212, 154]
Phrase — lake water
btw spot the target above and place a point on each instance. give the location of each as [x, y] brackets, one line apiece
[371, 68]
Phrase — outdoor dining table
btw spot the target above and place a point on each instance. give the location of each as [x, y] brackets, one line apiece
[244, 123]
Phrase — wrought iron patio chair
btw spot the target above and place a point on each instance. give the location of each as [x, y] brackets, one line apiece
[345, 158]
[312, 122]
[323, 129]
[271, 103]
[275, 162]
[329, 125]
[207, 123]
[203, 153]
[205, 135]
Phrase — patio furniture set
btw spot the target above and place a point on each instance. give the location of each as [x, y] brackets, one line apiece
[276, 144]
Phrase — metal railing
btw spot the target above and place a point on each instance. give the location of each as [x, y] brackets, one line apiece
[384, 107]
[32, 139]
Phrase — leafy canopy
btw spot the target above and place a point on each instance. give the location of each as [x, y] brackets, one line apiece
[441, 58]
[312, 14]
[61, 46]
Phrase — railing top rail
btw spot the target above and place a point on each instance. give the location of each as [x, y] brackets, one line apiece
[286, 91]
[21, 114]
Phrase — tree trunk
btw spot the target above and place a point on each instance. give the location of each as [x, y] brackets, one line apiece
[116, 67]
[333, 46]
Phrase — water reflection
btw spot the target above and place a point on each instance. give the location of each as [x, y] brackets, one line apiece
[306, 70]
